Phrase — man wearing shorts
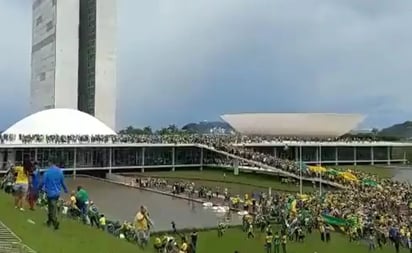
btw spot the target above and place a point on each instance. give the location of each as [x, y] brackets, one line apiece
[21, 186]
[141, 223]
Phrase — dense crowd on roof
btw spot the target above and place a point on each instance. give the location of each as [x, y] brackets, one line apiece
[170, 138]
[218, 142]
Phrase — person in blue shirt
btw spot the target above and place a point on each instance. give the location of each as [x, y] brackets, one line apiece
[52, 184]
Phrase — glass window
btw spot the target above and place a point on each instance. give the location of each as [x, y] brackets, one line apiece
[19, 156]
[49, 26]
[39, 19]
[36, 4]
[91, 57]
[42, 76]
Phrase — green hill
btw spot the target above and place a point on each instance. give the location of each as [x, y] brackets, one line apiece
[402, 130]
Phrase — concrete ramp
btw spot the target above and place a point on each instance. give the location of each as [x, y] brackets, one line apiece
[11, 243]
[272, 169]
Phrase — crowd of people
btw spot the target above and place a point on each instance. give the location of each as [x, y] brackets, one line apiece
[47, 190]
[370, 214]
[173, 138]
[378, 214]
[218, 142]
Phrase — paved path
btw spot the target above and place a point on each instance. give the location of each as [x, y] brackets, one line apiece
[266, 168]
[120, 201]
[10, 242]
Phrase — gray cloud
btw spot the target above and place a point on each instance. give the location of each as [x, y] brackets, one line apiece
[185, 61]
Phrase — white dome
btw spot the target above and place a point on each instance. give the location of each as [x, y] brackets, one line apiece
[61, 122]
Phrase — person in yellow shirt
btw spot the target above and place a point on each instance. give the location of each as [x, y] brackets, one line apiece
[73, 201]
[158, 245]
[184, 246]
[141, 224]
[73, 211]
[102, 222]
[268, 242]
[21, 186]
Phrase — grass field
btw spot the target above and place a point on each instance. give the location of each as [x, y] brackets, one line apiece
[72, 237]
[75, 237]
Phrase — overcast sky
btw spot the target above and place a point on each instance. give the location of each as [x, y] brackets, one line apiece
[181, 61]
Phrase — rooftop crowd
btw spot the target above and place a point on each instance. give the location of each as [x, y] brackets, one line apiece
[218, 142]
[171, 138]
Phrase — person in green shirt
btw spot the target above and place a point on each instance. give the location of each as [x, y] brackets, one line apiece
[82, 199]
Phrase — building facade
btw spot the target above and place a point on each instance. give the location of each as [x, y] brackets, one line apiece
[97, 60]
[54, 60]
[74, 57]
[152, 156]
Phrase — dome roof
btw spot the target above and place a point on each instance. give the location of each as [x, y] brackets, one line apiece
[61, 122]
[293, 124]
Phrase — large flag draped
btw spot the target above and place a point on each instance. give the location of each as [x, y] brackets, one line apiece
[333, 172]
[317, 169]
[335, 221]
[349, 176]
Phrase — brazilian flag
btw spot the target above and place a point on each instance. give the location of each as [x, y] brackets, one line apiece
[370, 182]
[334, 221]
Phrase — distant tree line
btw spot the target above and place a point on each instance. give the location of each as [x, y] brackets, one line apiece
[191, 128]
[171, 129]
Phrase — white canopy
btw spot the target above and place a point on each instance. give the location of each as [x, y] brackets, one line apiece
[61, 122]
[293, 124]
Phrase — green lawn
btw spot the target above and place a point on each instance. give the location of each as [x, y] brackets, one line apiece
[236, 240]
[72, 237]
[75, 237]
[243, 183]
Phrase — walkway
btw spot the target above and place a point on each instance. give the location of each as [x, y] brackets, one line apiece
[10, 242]
[267, 168]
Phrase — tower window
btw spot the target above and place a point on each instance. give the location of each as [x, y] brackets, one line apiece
[39, 19]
